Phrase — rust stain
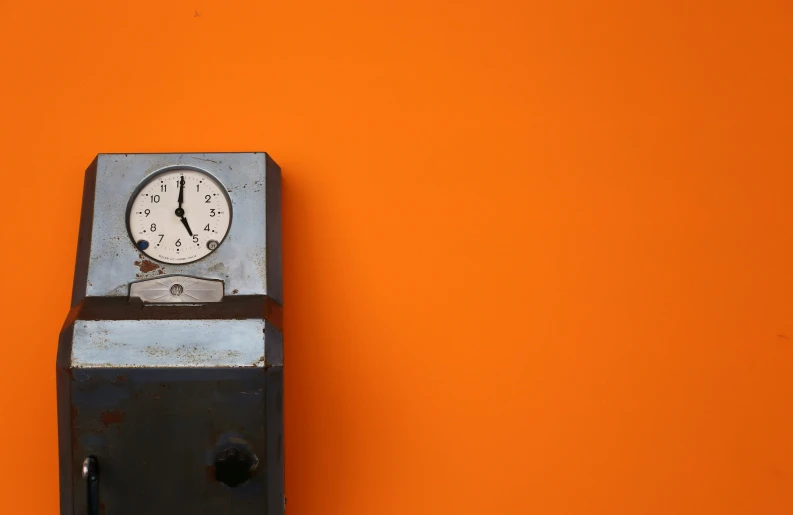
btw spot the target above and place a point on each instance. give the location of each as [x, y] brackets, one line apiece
[121, 378]
[235, 292]
[112, 417]
[146, 265]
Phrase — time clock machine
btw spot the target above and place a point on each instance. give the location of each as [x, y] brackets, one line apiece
[170, 362]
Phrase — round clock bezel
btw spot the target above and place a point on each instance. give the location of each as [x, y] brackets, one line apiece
[148, 179]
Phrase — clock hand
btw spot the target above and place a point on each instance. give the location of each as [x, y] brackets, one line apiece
[187, 226]
[179, 211]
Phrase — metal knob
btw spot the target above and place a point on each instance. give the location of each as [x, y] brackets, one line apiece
[234, 466]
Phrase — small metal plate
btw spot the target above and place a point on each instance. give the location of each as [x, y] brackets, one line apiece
[177, 289]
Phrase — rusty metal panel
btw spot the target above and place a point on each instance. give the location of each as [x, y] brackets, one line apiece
[161, 430]
[174, 406]
[164, 429]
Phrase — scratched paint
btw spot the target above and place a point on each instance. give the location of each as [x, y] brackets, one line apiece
[113, 261]
[169, 343]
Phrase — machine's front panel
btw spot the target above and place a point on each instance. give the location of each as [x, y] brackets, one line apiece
[170, 364]
[161, 435]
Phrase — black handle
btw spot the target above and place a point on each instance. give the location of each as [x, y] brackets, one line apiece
[91, 476]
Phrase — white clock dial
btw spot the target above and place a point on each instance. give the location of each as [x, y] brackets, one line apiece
[179, 216]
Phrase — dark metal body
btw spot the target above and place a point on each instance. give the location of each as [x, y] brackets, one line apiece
[159, 434]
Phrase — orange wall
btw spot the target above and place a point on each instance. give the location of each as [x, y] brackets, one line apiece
[538, 255]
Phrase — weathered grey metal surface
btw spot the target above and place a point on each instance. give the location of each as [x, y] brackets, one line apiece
[241, 261]
[177, 289]
[168, 343]
[163, 396]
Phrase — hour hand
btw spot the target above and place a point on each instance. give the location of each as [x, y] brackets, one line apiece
[187, 226]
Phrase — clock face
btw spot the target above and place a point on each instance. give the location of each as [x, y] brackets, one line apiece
[179, 215]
